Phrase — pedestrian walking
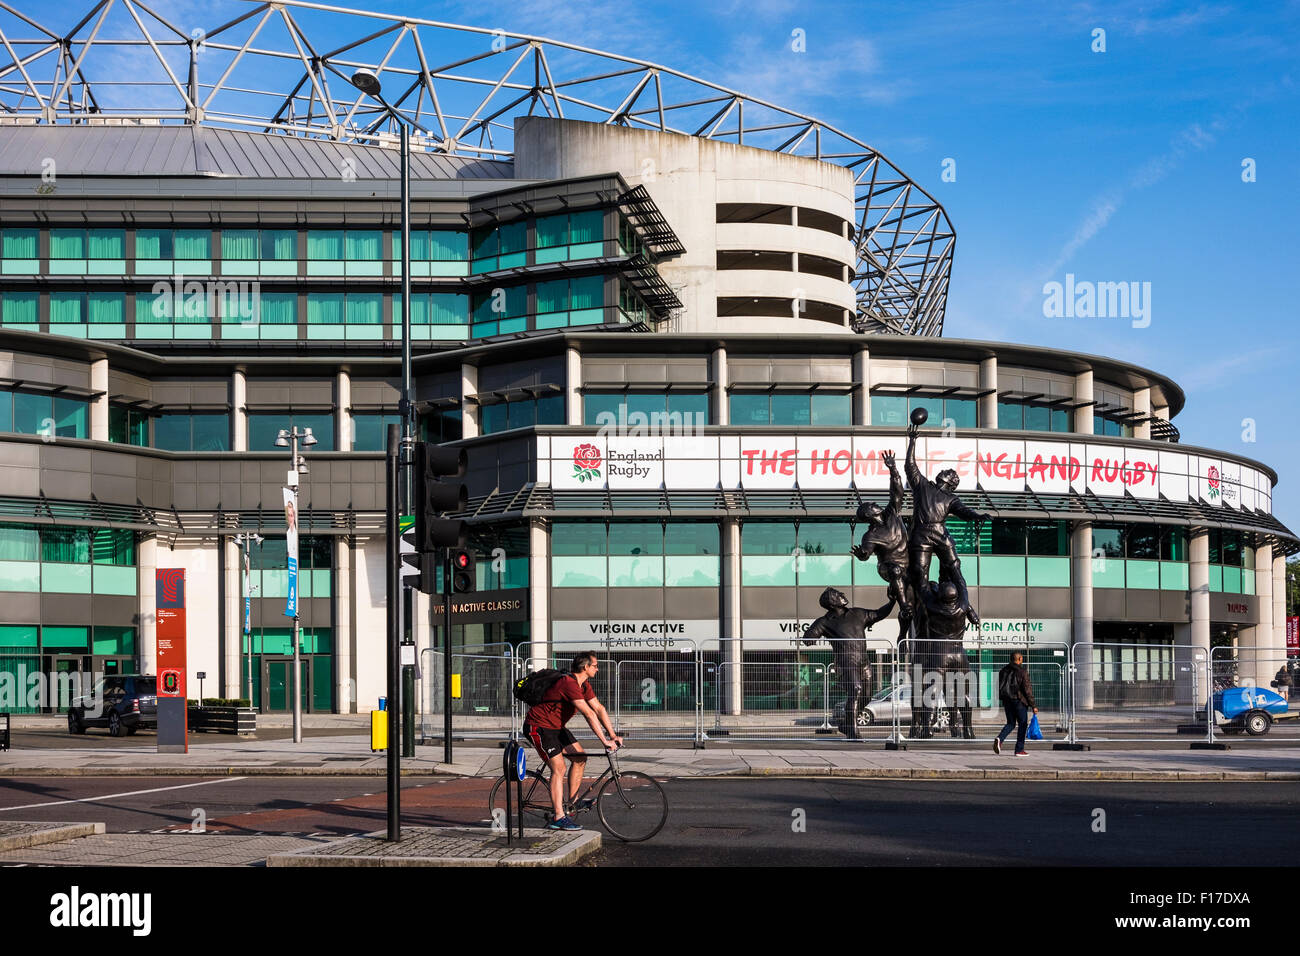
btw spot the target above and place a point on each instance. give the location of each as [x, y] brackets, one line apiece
[1282, 681]
[1017, 696]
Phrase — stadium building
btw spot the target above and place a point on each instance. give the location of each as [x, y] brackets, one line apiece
[673, 326]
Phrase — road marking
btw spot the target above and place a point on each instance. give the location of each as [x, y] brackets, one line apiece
[114, 796]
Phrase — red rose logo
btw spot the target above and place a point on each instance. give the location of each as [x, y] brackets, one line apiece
[1212, 476]
[586, 462]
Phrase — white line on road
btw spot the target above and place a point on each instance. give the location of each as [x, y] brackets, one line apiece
[114, 796]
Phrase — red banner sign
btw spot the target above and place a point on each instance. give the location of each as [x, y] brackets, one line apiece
[1293, 636]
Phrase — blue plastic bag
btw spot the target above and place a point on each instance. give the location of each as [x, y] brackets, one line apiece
[1034, 733]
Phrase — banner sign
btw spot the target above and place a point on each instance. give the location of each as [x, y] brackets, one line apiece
[1293, 636]
[248, 595]
[483, 607]
[844, 462]
[169, 599]
[291, 519]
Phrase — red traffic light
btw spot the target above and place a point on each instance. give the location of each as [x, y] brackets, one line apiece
[462, 571]
[461, 560]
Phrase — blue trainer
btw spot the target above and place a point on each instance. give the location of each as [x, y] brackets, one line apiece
[564, 823]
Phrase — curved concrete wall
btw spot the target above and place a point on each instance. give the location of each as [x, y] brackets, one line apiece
[785, 285]
[688, 176]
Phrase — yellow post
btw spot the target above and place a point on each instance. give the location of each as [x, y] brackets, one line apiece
[455, 686]
[378, 730]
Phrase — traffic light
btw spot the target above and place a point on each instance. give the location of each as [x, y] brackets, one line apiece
[433, 498]
[462, 570]
[419, 571]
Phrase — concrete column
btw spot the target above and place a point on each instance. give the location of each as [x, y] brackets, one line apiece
[539, 589]
[147, 630]
[731, 684]
[1279, 606]
[346, 691]
[1198, 582]
[1268, 658]
[1192, 671]
[468, 410]
[1081, 625]
[99, 404]
[988, 404]
[1142, 406]
[238, 414]
[573, 382]
[721, 411]
[862, 387]
[343, 402]
[233, 632]
[1083, 393]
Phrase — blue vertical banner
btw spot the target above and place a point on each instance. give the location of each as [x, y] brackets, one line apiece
[248, 591]
[291, 520]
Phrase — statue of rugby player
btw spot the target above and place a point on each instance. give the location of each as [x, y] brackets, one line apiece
[886, 538]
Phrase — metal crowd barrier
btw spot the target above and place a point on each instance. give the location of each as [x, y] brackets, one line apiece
[1137, 692]
[1253, 669]
[486, 705]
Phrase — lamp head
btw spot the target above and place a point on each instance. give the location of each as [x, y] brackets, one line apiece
[282, 439]
[367, 82]
[308, 439]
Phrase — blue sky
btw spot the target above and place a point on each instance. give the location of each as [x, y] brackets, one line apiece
[1123, 165]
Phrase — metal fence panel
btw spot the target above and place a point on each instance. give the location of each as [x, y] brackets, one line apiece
[1124, 691]
[1261, 673]
[486, 705]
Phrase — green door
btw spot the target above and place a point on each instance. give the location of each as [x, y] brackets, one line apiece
[277, 678]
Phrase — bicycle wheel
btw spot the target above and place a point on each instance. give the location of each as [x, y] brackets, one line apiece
[537, 801]
[632, 806]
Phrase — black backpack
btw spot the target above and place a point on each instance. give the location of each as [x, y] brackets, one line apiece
[533, 687]
[1010, 689]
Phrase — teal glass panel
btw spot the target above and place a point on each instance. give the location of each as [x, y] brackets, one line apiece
[1048, 572]
[636, 538]
[20, 576]
[1060, 420]
[19, 543]
[512, 237]
[963, 412]
[1142, 575]
[20, 308]
[20, 244]
[553, 296]
[279, 244]
[1107, 572]
[365, 308]
[692, 407]
[1143, 542]
[65, 638]
[933, 406]
[577, 538]
[322, 428]
[369, 431]
[1247, 582]
[1048, 538]
[113, 546]
[447, 246]
[71, 418]
[599, 404]
[1001, 571]
[832, 409]
[363, 245]
[153, 244]
[1007, 536]
[325, 244]
[639, 571]
[240, 244]
[791, 408]
[1037, 418]
[817, 570]
[324, 308]
[698, 538]
[750, 408]
[115, 641]
[33, 414]
[192, 244]
[865, 572]
[1109, 541]
[6, 411]
[586, 226]
[67, 308]
[1232, 580]
[448, 308]
[550, 410]
[587, 292]
[889, 410]
[108, 308]
[278, 308]
[67, 244]
[1173, 576]
[552, 231]
[1011, 415]
[65, 545]
[773, 571]
[693, 571]
[576, 572]
[769, 538]
[65, 578]
[19, 635]
[493, 418]
[113, 580]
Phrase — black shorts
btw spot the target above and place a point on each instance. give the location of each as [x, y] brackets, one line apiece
[549, 742]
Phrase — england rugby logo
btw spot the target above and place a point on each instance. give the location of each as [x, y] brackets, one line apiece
[1212, 478]
[586, 462]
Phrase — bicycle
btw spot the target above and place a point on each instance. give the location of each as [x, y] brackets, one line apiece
[632, 806]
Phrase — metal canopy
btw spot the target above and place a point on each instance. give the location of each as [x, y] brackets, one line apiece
[270, 71]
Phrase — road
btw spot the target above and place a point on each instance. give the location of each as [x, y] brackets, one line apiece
[748, 821]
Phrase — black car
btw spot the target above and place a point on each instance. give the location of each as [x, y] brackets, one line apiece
[122, 703]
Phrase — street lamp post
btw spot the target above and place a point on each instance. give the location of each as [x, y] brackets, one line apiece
[289, 438]
[368, 84]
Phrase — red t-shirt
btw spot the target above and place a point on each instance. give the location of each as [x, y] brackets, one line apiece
[557, 706]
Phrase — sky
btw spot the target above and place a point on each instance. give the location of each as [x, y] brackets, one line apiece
[1164, 151]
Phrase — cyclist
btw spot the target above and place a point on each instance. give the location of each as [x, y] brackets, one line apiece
[545, 727]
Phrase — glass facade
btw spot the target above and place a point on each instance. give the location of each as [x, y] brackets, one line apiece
[72, 560]
[825, 409]
[893, 410]
[196, 431]
[672, 410]
[635, 554]
[50, 416]
[523, 413]
[264, 428]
